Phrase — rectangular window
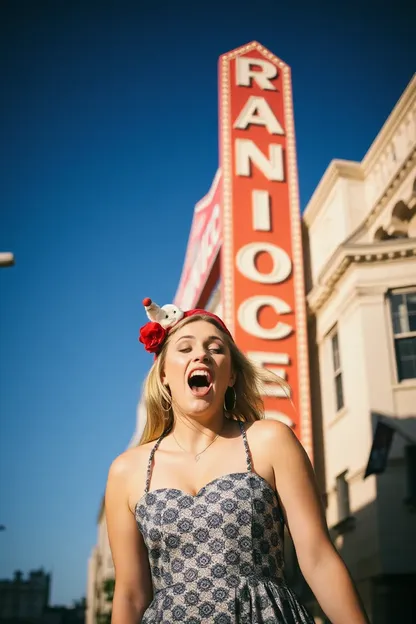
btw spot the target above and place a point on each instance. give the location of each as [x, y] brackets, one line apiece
[343, 497]
[403, 312]
[336, 364]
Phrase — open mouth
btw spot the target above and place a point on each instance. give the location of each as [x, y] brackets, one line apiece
[200, 382]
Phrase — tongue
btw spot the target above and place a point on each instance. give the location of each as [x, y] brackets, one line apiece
[200, 391]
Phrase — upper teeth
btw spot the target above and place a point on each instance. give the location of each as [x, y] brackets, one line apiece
[199, 372]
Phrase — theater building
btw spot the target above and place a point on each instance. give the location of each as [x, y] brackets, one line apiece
[327, 301]
[360, 235]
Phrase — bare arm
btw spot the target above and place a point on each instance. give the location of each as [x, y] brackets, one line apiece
[133, 588]
[319, 561]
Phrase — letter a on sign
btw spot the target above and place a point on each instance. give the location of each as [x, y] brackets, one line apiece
[262, 285]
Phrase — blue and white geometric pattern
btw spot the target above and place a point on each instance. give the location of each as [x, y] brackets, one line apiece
[217, 557]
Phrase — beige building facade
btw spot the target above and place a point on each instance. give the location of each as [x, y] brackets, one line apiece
[360, 264]
[361, 233]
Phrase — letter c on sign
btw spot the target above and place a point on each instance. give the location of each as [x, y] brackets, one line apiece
[247, 317]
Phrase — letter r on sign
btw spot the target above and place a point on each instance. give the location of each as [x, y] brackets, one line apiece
[263, 78]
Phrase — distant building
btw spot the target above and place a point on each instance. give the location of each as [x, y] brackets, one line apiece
[66, 615]
[100, 570]
[100, 563]
[24, 598]
[26, 601]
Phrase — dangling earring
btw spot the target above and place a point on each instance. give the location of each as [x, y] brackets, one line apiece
[230, 401]
[166, 409]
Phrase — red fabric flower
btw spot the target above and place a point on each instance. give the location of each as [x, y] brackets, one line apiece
[152, 335]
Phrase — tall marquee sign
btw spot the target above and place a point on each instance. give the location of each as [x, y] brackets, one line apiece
[263, 292]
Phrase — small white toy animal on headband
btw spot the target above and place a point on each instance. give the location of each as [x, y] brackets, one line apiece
[167, 315]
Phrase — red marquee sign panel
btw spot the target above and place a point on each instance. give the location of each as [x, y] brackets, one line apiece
[203, 248]
[263, 293]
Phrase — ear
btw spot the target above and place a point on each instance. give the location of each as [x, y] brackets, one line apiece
[233, 378]
[163, 377]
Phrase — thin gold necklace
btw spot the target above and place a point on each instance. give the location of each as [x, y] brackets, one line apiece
[198, 455]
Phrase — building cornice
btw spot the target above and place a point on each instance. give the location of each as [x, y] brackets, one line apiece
[355, 254]
[337, 169]
[360, 170]
[388, 193]
[391, 125]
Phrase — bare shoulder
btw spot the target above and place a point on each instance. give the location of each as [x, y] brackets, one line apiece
[270, 431]
[126, 460]
[127, 474]
[277, 441]
[129, 464]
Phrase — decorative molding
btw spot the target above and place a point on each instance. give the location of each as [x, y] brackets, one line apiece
[390, 125]
[385, 251]
[387, 194]
[405, 384]
[362, 170]
[342, 413]
[345, 169]
[352, 251]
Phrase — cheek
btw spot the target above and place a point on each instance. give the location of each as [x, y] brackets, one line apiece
[174, 369]
[224, 368]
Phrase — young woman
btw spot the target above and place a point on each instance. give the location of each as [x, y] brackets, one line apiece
[195, 513]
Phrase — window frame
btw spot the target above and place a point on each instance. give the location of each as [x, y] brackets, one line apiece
[336, 367]
[397, 336]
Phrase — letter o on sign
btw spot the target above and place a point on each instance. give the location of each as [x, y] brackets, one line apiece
[282, 264]
[248, 312]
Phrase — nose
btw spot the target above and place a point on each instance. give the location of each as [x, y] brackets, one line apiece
[201, 355]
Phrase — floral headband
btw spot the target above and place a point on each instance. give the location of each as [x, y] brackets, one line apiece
[162, 320]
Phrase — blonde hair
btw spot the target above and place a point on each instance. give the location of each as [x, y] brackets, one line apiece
[249, 381]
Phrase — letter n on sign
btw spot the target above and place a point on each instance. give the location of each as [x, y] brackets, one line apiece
[263, 292]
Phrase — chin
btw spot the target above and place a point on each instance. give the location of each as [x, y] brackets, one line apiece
[198, 406]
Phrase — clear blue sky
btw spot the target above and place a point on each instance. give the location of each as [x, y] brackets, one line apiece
[108, 138]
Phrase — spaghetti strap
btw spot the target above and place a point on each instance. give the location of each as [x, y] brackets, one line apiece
[149, 464]
[246, 447]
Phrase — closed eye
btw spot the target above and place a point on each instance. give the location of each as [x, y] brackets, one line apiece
[215, 350]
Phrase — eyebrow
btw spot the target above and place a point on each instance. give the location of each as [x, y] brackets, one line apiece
[209, 339]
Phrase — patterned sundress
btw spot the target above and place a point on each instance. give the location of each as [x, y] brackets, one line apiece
[217, 557]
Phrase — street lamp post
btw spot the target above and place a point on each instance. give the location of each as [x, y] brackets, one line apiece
[6, 259]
